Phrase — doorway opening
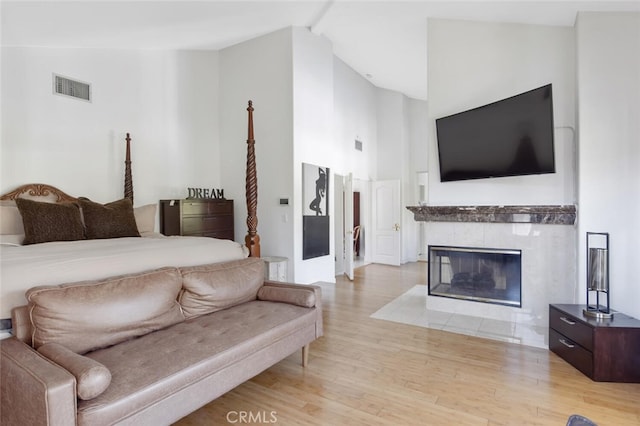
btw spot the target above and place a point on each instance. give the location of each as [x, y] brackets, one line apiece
[358, 232]
[352, 213]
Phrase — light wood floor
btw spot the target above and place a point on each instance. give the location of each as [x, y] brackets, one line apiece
[369, 372]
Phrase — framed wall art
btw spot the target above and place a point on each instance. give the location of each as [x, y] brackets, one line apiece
[315, 211]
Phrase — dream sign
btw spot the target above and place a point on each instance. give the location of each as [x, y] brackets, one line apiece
[205, 193]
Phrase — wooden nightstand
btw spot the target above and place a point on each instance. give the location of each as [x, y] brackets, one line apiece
[197, 217]
[606, 350]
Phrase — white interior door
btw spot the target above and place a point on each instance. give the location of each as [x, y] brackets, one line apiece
[338, 214]
[348, 226]
[386, 214]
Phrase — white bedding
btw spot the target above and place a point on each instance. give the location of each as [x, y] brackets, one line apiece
[23, 267]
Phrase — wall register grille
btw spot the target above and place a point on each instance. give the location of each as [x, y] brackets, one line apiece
[73, 88]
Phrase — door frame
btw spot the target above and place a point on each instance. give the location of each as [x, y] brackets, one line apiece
[348, 225]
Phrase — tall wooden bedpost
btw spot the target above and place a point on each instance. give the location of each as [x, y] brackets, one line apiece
[128, 181]
[252, 240]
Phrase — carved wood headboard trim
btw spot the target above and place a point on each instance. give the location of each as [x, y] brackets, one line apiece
[39, 190]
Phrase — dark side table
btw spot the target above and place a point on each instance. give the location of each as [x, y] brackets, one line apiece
[606, 350]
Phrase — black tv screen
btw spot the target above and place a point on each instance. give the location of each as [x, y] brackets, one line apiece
[510, 137]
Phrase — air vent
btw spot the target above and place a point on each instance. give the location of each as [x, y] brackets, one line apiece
[73, 88]
[358, 145]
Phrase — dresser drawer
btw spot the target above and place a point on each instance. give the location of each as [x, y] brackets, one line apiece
[197, 217]
[203, 224]
[571, 352]
[204, 208]
[223, 235]
[568, 326]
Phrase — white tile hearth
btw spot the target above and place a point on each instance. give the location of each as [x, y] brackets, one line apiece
[411, 308]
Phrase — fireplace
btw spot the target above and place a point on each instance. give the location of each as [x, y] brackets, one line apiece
[479, 274]
[544, 235]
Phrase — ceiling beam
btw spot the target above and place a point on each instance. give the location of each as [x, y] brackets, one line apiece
[317, 26]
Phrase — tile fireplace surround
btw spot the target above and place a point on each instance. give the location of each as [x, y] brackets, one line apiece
[545, 234]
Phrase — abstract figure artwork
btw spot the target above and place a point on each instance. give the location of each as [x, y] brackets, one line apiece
[321, 188]
[315, 219]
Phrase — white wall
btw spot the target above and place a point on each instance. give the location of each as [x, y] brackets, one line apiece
[471, 64]
[393, 129]
[392, 134]
[354, 107]
[418, 135]
[402, 142]
[186, 112]
[393, 150]
[354, 117]
[165, 99]
[289, 76]
[260, 70]
[609, 152]
[313, 139]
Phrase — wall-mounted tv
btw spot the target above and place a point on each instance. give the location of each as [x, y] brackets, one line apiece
[510, 137]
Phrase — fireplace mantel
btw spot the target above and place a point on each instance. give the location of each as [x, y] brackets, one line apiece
[548, 215]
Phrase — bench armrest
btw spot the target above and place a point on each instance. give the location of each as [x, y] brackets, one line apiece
[316, 290]
[34, 390]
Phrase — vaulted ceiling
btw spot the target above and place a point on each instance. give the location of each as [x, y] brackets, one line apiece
[385, 41]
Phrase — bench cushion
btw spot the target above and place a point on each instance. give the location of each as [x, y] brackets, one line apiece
[210, 288]
[154, 367]
[94, 314]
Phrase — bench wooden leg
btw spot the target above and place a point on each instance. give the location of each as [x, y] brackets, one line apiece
[305, 355]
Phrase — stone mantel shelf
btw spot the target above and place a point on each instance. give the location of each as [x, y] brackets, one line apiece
[548, 215]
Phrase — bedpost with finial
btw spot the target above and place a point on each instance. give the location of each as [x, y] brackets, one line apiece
[252, 240]
[128, 181]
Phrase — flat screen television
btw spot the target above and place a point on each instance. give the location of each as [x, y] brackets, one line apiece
[510, 137]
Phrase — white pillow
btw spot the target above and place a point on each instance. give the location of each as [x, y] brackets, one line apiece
[11, 239]
[10, 218]
[145, 218]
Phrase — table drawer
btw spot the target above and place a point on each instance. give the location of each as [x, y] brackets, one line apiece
[568, 326]
[571, 352]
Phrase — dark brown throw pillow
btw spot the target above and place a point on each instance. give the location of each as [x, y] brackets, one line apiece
[45, 222]
[111, 220]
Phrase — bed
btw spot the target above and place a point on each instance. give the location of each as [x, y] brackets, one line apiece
[41, 242]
